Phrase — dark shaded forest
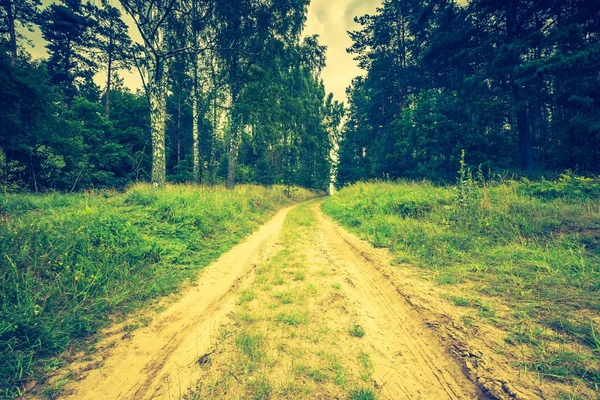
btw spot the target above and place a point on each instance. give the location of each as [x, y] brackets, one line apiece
[231, 94]
[516, 84]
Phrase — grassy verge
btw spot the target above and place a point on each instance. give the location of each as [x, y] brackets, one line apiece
[68, 262]
[532, 246]
[288, 338]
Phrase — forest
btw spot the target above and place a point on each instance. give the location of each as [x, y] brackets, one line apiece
[231, 93]
[514, 84]
[230, 229]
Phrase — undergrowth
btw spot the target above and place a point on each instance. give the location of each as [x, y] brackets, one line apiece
[534, 246]
[71, 263]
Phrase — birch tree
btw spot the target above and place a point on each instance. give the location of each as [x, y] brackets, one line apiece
[151, 19]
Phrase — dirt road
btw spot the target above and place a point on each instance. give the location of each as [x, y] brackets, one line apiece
[301, 309]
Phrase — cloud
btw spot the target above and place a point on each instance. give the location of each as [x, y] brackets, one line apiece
[331, 19]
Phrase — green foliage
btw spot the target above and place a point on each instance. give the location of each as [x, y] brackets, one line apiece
[70, 261]
[568, 186]
[527, 244]
[483, 76]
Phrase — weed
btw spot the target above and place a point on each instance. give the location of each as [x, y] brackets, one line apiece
[293, 317]
[362, 394]
[261, 389]
[299, 275]
[336, 286]
[317, 375]
[251, 344]
[357, 331]
[284, 297]
[366, 366]
[247, 295]
[460, 301]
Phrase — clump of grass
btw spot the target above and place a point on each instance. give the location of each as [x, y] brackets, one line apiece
[366, 366]
[284, 297]
[293, 318]
[251, 344]
[299, 275]
[247, 295]
[357, 331]
[460, 301]
[362, 394]
[261, 389]
[67, 262]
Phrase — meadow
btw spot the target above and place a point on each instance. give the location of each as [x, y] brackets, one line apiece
[73, 264]
[533, 247]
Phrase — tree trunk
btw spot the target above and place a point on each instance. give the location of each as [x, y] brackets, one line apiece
[10, 15]
[525, 142]
[213, 150]
[234, 145]
[158, 117]
[520, 105]
[108, 83]
[195, 120]
[232, 156]
[178, 129]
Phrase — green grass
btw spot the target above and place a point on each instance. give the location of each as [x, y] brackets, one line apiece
[356, 331]
[70, 263]
[534, 246]
[362, 394]
[293, 317]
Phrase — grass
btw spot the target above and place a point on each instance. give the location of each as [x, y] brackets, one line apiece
[356, 331]
[532, 246]
[362, 394]
[70, 264]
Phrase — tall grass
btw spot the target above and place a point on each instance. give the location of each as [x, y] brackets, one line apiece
[67, 262]
[532, 245]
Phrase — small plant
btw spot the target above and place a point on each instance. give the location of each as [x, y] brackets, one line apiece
[299, 276]
[357, 331]
[336, 286]
[317, 375]
[261, 389]
[293, 318]
[247, 295]
[362, 394]
[251, 344]
[460, 301]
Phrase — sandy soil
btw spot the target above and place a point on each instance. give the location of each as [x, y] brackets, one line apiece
[415, 353]
[159, 361]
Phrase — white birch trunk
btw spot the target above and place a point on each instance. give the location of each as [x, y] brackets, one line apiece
[157, 94]
[195, 119]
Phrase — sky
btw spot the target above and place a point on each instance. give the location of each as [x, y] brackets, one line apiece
[330, 19]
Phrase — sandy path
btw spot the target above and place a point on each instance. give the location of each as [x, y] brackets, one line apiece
[160, 360]
[409, 363]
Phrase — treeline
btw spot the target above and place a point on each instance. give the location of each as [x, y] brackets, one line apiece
[514, 83]
[231, 94]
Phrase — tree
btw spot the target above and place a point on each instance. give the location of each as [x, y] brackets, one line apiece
[14, 13]
[151, 19]
[115, 45]
[68, 28]
[244, 27]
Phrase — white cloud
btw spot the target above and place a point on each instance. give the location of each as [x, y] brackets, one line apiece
[331, 19]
